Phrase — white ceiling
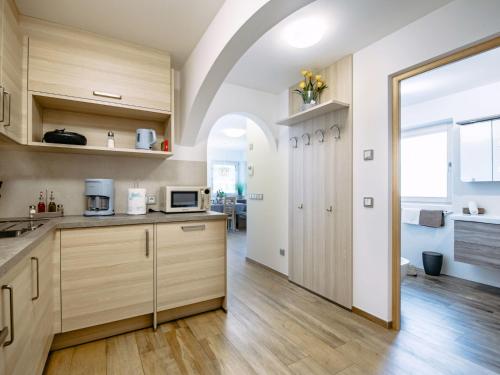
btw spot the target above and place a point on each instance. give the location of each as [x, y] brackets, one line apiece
[272, 65]
[218, 140]
[479, 70]
[170, 25]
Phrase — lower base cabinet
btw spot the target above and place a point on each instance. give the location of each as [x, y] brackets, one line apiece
[191, 263]
[27, 311]
[106, 274]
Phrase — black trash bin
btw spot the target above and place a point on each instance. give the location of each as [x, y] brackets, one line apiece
[432, 262]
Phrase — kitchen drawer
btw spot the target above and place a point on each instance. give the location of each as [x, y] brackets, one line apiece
[191, 263]
[83, 65]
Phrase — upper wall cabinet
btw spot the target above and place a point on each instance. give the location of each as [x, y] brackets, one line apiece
[480, 151]
[11, 81]
[84, 65]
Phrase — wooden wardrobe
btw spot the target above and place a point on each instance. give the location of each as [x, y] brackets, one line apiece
[320, 213]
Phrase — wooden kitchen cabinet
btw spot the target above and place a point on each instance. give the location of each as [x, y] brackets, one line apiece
[106, 274]
[16, 294]
[191, 263]
[28, 289]
[70, 62]
[11, 82]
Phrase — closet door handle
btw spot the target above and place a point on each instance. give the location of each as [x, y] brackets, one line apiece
[11, 312]
[6, 99]
[37, 278]
[2, 98]
[192, 228]
[107, 95]
[329, 209]
[147, 243]
[300, 206]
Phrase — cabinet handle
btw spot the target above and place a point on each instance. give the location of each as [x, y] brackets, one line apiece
[107, 95]
[11, 312]
[300, 206]
[147, 243]
[192, 228]
[37, 278]
[3, 334]
[329, 209]
[6, 99]
[2, 112]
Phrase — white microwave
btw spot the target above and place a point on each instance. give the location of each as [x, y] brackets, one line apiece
[184, 199]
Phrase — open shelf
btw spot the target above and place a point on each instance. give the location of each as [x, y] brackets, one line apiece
[94, 119]
[98, 150]
[318, 110]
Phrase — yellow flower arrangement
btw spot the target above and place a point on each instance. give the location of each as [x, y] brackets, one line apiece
[310, 88]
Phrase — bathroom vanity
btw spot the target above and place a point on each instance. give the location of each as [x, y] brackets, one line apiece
[477, 240]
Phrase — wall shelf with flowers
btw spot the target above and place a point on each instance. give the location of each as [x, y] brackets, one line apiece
[315, 95]
[312, 112]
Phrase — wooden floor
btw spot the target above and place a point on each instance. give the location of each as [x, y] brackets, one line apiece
[275, 327]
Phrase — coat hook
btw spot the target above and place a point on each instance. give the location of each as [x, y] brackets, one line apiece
[306, 138]
[321, 135]
[294, 142]
[336, 131]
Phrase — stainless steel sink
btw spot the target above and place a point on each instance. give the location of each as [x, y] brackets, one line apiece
[16, 228]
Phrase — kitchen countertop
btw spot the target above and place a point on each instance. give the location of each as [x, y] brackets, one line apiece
[12, 250]
[489, 219]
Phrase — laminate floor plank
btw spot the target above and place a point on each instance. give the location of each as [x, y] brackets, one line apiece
[449, 326]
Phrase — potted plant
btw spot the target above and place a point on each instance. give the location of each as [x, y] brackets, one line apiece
[310, 89]
[220, 196]
[240, 187]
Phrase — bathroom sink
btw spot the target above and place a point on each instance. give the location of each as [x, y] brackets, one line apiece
[16, 228]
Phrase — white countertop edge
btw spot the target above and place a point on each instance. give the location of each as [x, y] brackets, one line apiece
[489, 219]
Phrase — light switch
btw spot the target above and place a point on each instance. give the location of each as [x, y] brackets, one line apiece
[367, 155]
[368, 202]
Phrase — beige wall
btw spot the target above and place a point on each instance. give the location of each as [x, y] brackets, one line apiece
[26, 173]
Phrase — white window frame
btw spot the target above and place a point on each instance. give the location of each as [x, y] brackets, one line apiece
[225, 162]
[429, 128]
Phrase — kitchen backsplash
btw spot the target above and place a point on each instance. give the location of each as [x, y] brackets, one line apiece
[26, 173]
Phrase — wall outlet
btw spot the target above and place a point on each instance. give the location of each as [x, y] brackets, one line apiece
[150, 199]
[282, 252]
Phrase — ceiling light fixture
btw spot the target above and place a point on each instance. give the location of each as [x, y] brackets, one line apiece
[305, 32]
[234, 133]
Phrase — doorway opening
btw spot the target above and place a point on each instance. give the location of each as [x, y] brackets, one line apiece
[446, 165]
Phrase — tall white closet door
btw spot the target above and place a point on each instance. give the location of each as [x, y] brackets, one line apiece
[308, 210]
[296, 217]
[320, 205]
[339, 232]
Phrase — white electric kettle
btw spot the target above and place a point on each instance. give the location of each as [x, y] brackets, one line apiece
[145, 139]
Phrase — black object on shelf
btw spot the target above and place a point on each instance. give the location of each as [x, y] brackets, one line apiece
[64, 137]
[433, 262]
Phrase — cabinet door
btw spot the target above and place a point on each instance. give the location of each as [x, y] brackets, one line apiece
[106, 274]
[496, 149]
[83, 65]
[476, 152]
[16, 295]
[191, 263]
[12, 75]
[296, 209]
[42, 295]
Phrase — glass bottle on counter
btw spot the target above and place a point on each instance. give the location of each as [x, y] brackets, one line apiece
[52, 204]
[41, 203]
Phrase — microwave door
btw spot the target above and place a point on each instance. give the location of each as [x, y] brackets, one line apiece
[184, 199]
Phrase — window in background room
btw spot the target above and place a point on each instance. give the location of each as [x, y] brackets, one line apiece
[224, 176]
[425, 164]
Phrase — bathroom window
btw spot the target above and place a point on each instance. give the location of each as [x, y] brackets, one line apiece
[426, 163]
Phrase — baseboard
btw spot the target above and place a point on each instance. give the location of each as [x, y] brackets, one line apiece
[372, 318]
[250, 260]
[81, 336]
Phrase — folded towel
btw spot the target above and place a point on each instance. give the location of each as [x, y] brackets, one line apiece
[431, 218]
[410, 215]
